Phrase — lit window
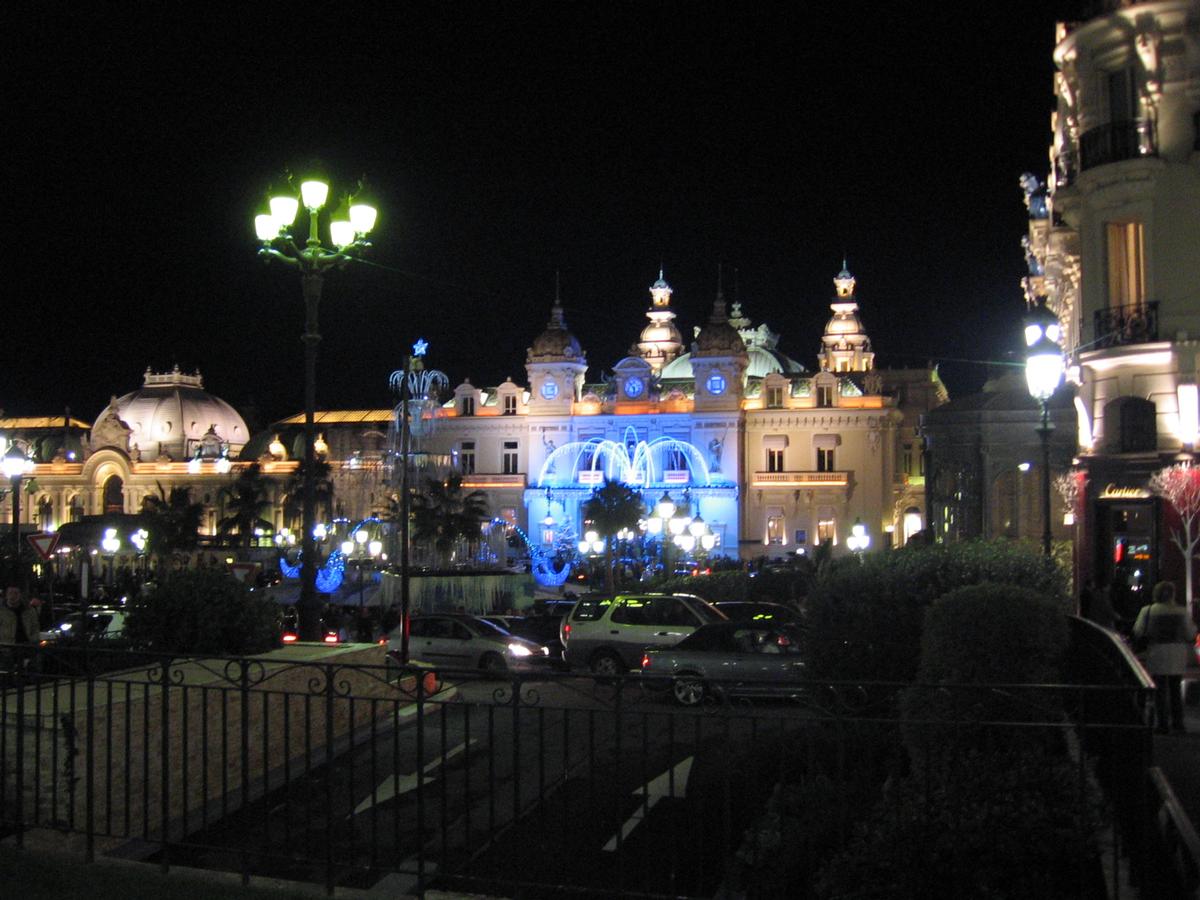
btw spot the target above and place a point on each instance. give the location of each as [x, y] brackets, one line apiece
[906, 466]
[827, 531]
[466, 458]
[775, 397]
[775, 530]
[1125, 245]
[510, 404]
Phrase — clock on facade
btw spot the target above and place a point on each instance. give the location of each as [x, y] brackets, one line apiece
[715, 383]
[549, 389]
[633, 386]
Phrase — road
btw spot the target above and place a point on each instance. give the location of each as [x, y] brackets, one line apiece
[574, 783]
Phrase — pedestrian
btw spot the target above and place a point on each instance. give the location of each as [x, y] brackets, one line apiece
[18, 626]
[1098, 608]
[1166, 632]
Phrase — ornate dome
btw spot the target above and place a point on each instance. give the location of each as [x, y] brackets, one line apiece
[556, 343]
[172, 415]
[845, 346]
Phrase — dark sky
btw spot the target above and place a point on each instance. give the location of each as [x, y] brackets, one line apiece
[505, 142]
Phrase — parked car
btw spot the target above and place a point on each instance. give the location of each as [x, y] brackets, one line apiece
[608, 635]
[462, 641]
[97, 624]
[542, 629]
[757, 658]
[747, 611]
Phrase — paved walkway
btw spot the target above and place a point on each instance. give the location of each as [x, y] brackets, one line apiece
[1178, 755]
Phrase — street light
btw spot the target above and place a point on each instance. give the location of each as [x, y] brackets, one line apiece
[110, 545]
[858, 540]
[16, 466]
[1044, 373]
[312, 262]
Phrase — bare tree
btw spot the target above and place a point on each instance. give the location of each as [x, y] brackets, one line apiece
[1179, 485]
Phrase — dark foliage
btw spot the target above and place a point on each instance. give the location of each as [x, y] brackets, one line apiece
[202, 611]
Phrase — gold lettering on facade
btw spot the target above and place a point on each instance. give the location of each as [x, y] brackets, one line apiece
[1117, 492]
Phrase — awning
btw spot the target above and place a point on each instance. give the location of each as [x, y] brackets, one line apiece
[775, 441]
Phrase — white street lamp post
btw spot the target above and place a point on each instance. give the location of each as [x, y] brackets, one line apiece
[1044, 373]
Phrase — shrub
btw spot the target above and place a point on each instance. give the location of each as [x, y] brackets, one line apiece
[761, 587]
[202, 611]
[865, 619]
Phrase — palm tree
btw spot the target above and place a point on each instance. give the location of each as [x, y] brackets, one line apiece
[293, 507]
[443, 514]
[612, 507]
[173, 522]
[247, 506]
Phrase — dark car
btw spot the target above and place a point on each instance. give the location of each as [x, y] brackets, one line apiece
[748, 611]
[755, 658]
[541, 629]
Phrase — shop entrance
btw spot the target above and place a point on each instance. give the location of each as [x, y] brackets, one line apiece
[1127, 555]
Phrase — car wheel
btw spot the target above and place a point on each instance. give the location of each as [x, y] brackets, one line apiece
[688, 690]
[493, 664]
[607, 664]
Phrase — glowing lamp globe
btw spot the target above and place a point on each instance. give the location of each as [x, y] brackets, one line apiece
[597, 546]
[686, 542]
[584, 546]
[375, 548]
[708, 541]
[1044, 369]
[362, 217]
[347, 548]
[697, 527]
[678, 525]
[15, 463]
[314, 193]
[361, 536]
[266, 226]
[284, 208]
[341, 233]
[665, 507]
[591, 537]
[654, 525]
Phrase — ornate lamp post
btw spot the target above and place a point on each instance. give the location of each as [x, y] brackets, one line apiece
[1044, 373]
[312, 261]
[16, 466]
[858, 540]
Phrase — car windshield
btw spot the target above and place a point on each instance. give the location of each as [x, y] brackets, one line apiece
[490, 628]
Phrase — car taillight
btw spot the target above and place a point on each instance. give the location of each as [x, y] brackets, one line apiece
[290, 638]
[566, 630]
[382, 642]
[645, 661]
[331, 638]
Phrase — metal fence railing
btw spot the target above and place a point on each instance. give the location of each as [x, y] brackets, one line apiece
[543, 784]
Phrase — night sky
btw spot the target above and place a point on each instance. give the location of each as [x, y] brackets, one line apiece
[506, 142]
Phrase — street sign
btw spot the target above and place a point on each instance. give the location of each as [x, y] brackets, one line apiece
[44, 544]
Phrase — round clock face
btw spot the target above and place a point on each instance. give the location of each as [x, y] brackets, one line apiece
[634, 387]
[549, 389]
[715, 384]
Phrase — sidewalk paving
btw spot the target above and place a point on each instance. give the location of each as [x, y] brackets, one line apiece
[1178, 755]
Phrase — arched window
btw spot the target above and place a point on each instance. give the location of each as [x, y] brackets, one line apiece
[1130, 426]
[45, 514]
[114, 495]
[913, 523]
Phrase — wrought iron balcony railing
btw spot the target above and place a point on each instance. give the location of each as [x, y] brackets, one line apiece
[1121, 325]
[1115, 142]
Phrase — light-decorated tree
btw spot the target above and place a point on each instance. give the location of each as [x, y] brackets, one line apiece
[1179, 485]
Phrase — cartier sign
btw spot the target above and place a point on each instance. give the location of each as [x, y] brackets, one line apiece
[1118, 492]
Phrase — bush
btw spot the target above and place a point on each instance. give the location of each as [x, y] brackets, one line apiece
[202, 611]
[865, 619]
[760, 587]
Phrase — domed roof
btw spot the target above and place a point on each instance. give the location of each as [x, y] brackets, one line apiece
[172, 415]
[762, 362]
[556, 343]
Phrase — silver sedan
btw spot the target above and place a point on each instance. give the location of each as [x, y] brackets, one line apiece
[728, 658]
[458, 641]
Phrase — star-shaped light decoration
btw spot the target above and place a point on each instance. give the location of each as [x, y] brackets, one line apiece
[420, 347]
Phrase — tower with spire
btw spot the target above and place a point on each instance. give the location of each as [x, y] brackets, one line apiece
[845, 346]
[719, 361]
[555, 365]
[660, 341]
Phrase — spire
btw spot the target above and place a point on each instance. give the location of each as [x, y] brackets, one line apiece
[556, 311]
[718, 313]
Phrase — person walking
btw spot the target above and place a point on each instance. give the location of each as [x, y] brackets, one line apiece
[18, 625]
[1167, 634]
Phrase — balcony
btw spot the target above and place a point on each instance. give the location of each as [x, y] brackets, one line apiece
[1115, 142]
[800, 479]
[1119, 326]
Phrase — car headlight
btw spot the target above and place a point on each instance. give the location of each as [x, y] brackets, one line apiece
[519, 650]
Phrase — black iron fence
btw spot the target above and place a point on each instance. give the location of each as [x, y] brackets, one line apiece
[1117, 141]
[346, 772]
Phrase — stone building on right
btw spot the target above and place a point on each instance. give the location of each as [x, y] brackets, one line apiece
[1114, 248]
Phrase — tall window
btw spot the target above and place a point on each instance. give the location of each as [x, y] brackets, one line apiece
[674, 460]
[466, 406]
[827, 531]
[774, 397]
[825, 395]
[906, 464]
[1125, 246]
[508, 458]
[775, 529]
[1122, 96]
[775, 460]
[824, 459]
[466, 458]
[510, 404]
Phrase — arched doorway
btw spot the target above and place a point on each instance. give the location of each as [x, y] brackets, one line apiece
[114, 495]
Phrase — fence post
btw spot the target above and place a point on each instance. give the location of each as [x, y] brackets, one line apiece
[19, 682]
